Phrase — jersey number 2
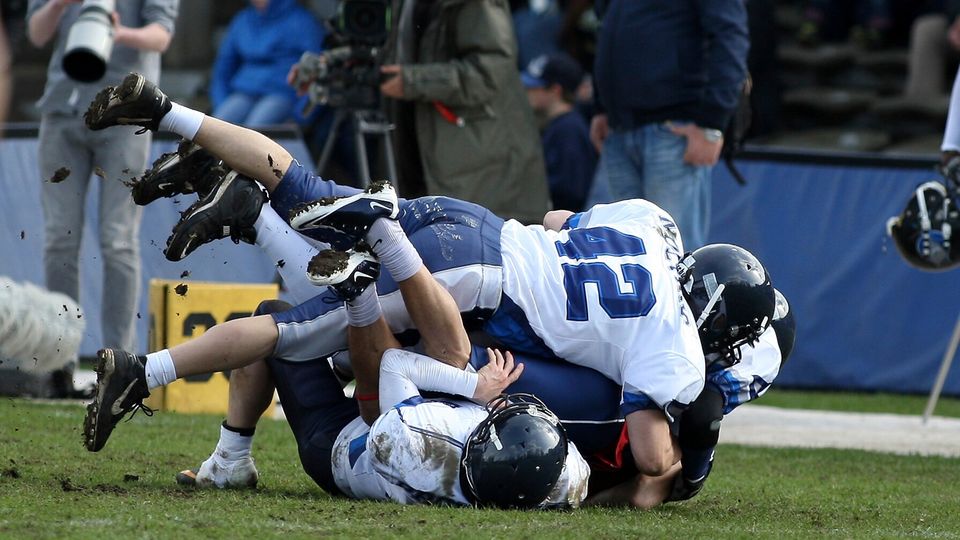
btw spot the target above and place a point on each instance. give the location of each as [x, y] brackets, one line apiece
[586, 244]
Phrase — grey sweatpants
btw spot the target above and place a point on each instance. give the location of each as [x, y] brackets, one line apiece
[66, 142]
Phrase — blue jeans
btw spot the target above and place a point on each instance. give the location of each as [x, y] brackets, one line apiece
[255, 111]
[647, 163]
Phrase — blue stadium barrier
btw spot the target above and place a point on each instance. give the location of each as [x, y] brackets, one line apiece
[21, 241]
[866, 320]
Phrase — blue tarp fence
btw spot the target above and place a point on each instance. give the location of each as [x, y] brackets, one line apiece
[866, 320]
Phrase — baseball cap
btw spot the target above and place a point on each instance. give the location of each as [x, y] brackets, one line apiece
[555, 68]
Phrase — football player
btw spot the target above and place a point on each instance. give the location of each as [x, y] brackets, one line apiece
[598, 289]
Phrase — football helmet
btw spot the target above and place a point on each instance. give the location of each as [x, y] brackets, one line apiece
[731, 297]
[923, 232]
[514, 458]
[785, 325]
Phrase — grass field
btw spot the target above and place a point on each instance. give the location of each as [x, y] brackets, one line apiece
[50, 487]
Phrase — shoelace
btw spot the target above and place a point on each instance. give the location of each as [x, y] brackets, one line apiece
[147, 411]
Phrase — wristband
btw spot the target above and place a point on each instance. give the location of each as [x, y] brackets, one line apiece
[372, 396]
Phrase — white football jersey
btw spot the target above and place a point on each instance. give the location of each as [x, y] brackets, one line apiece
[604, 294]
[750, 378]
[412, 453]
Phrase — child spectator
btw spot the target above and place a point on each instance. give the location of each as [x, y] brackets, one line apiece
[249, 81]
[551, 82]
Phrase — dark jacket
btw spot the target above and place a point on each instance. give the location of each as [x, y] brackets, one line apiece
[259, 48]
[467, 61]
[661, 60]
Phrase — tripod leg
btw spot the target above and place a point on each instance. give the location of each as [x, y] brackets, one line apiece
[391, 163]
[338, 117]
[362, 164]
[942, 374]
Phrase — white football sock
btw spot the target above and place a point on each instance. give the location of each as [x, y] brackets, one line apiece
[364, 310]
[183, 121]
[394, 249]
[160, 369]
[288, 250]
[232, 446]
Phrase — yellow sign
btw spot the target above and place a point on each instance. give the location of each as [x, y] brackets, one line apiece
[183, 310]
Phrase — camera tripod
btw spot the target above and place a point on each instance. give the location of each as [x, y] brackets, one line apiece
[364, 122]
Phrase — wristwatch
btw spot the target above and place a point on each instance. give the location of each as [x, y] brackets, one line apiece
[712, 135]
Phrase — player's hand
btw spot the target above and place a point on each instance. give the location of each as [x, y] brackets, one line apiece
[599, 129]
[393, 85]
[493, 378]
[700, 151]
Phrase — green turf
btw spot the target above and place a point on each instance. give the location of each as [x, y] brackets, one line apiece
[50, 487]
[858, 402]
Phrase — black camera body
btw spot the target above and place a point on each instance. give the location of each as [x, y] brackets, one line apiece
[348, 74]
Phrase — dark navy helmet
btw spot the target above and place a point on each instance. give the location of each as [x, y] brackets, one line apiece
[730, 295]
[785, 325]
[923, 232]
[514, 458]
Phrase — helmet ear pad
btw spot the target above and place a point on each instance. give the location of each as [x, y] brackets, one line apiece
[514, 458]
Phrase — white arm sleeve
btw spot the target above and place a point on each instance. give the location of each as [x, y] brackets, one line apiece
[404, 373]
[951, 136]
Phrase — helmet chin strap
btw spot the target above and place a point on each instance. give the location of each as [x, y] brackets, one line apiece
[714, 298]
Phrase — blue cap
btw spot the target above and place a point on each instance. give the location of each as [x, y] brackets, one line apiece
[555, 68]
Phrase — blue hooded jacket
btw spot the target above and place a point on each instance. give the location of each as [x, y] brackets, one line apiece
[259, 48]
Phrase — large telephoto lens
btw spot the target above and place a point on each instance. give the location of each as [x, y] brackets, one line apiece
[90, 42]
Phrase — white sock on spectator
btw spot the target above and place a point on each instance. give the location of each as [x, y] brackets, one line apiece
[394, 249]
[364, 310]
[183, 121]
[288, 250]
[160, 369]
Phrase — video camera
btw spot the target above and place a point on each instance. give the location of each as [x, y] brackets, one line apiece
[347, 75]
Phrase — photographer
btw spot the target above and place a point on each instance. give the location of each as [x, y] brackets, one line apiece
[453, 62]
[142, 30]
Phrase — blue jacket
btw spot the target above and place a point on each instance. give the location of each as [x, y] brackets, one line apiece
[661, 60]
[259, 48]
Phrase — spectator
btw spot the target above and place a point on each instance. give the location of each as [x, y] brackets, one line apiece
[537, 25]
[669, 75]
[470, 124]
[142, 31]
[552, 82]
[249, 80]
[934, 44]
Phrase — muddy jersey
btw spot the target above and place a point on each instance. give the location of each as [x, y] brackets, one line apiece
[411, 455]
[603, 293]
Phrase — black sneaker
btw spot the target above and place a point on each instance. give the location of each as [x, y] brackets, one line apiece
[190, 169]
[351, 215]
[229, 210]
[121, 388]
[348, 273]
[135, 102]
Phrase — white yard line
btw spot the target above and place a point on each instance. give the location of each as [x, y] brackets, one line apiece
[759, 425]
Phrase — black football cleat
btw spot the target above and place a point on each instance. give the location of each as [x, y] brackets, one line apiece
[351, 215]
[121, 389]
[135, 102]
[348, 273]
[229, 210]
[190, 169]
